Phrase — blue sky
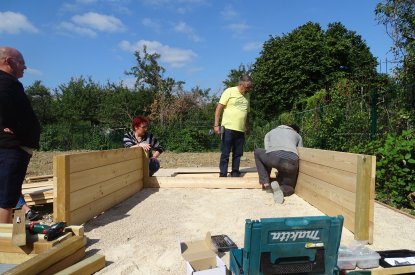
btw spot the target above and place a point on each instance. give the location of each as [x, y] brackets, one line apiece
[200, 41]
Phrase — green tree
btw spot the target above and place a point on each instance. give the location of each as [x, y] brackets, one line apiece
[79, 101]
[235, 74]
[293, 67]
[398, 17]
[42, 102]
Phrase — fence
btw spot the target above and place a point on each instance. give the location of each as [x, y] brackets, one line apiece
[334, 126]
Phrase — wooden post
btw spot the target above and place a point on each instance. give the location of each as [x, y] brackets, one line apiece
[146, 172]
[61, 188]
[19, 228]
[364, 190]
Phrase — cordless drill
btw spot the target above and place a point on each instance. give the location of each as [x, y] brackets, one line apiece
[50, 231]
[37, 228]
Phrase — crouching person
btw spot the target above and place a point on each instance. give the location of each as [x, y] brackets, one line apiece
[280, 153]
[139, 137]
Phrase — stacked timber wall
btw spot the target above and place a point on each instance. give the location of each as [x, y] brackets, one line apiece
[86, 184]
[339, 183]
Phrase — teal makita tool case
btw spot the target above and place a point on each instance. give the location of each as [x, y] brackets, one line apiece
[297, 245]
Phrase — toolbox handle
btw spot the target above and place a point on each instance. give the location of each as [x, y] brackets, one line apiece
[296, 267]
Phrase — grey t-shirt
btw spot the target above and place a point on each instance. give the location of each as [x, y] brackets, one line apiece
[282, 138]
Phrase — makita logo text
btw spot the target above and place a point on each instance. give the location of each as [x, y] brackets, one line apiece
[292, 236]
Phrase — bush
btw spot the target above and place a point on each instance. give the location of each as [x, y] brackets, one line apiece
[395, 168]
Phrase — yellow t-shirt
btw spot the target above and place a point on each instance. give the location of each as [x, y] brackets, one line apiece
[236, 109]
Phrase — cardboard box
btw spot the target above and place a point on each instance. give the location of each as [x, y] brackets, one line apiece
[200, 258]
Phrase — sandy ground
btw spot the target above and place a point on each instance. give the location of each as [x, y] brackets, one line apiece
[142, 234]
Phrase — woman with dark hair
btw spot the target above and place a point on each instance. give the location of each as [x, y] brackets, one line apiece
[139, 137]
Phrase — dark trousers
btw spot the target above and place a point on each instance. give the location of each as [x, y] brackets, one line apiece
[287, 168]
[13, 167]
[231, 141]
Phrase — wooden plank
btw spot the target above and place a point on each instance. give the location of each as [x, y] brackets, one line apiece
[42, 245]
[145, 167]
[340, 178]
[6, 245]
[65, 263]
[332, 192]
[39, 201]
[61, 185]
[363, 199]
[29, 186]
[393, 270]
[14, 258]
[171, 172]
[330, 208]
[90, 194]
[212, 175]
[48, 258]
[87, 212]
[6, 227]
[88, 266]
[38, 178]
[19, 228]
[340, 160]
[83, 179]
[228, 183]
[88, 160]
[75, 229]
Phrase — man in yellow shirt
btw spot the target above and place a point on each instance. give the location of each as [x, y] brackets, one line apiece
[234, 103]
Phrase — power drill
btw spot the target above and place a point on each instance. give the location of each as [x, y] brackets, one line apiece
[37, 228]
[54, 231]
[50, 231]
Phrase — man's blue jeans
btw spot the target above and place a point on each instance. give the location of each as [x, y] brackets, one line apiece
[231, 141]
[13, 167]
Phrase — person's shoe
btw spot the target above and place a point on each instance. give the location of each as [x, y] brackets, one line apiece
[278, 194]
[222, 175]
[265, 186]
[32, 215]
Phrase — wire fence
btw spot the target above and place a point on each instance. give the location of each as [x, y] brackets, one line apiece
[335, 126]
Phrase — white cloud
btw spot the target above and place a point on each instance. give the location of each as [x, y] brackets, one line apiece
[150, 23]
[229, 13]
[68, 26]
[251, 46]
[175, 57]
[100, 22]
[15, 23]
[182, 27]
[238, 28]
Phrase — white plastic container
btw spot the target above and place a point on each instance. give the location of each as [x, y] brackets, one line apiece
[357, 256]
[367, 258]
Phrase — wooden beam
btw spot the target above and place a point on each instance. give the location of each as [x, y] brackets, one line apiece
[82, 179]
[364, 199]
[14, 258]
[61, 185]
[197, 182]
[44, 260]
[65, 263]
[6, 231]
[99, 190]
[19, 228]
[94, 208]
[339, 160]
[145, 167]
[88, 160]
[393, 270]
[88, 266]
